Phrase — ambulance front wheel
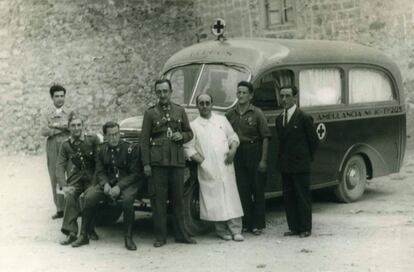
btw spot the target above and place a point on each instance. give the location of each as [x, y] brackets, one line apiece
[353, 180]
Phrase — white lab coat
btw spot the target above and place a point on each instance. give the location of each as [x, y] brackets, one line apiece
[219, 197]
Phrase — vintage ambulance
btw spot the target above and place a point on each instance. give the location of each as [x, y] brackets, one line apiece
[353, 92]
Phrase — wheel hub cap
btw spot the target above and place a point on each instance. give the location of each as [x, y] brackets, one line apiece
[353, 177]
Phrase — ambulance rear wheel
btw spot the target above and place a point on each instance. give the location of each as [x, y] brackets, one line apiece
[353, 180]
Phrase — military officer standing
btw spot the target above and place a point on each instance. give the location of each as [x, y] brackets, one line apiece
[118, 176]
[250, 161]
[75, 169]
[164, 130]
[55, 129]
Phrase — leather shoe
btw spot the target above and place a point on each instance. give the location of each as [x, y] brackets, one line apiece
[257, 232]
[93, 235]
[305, 234]
[186, 240]
[159, 243]
[82, 240]
[57, 215]
[238, 237]
[225, 237]
[129, 243]
[69, 239]
[290, 233]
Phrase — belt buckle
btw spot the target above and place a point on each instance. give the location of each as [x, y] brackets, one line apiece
[169, 133]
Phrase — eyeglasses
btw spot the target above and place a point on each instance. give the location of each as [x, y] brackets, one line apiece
[204, 103]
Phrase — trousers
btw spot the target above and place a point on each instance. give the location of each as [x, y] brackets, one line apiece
[298, 201]
[251, 184]
[94, 195]
[167, 183]
[72, 209]
[230, 227]
[52, 153]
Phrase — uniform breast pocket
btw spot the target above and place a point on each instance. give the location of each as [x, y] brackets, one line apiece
[156, 152]
[250, 126]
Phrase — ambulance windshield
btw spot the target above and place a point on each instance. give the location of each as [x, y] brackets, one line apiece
[218, 80]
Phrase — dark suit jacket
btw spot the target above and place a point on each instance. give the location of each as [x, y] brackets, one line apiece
[297, 142]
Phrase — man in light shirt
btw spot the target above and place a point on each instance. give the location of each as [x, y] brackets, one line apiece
[55, 129]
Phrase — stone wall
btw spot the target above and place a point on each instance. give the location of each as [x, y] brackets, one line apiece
[106, 53]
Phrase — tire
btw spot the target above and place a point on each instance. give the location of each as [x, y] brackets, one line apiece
[108, 214]
[192, 222]
[353, 180]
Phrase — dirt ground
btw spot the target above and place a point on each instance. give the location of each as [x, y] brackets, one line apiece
[374, 234]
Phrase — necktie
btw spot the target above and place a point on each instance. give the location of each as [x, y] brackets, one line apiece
[285, 119]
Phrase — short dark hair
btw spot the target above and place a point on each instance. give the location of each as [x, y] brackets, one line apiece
[293, 88]
[246, 84]
[56, 88]
[209, 95]
[75, 115]
[163, 80]
[109, 124]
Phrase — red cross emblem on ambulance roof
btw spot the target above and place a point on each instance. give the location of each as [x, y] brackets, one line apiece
[218, 27]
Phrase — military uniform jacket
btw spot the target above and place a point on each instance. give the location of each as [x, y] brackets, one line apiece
[297, 142]
[157, 148]
[119, 165]
[76, 160]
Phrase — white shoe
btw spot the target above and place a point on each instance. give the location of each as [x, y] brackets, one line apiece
[238, 237]
[225, 237]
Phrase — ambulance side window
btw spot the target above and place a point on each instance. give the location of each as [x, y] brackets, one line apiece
[320, 87]
[266, 94]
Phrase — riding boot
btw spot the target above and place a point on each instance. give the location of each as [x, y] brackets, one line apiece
[129, 215]
[83, 237]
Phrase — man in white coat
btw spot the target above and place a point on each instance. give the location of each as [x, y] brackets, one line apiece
[213, 147]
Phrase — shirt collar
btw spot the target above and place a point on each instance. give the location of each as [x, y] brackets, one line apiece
[59, 110]
[81, 138]
[205, 121]
[249, 108]
[165, 106]
[291, 110]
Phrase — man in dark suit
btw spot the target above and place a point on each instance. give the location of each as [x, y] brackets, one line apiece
[297, 143]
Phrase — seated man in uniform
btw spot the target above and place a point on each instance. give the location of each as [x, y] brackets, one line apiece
[75, 170]
[118, 179]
